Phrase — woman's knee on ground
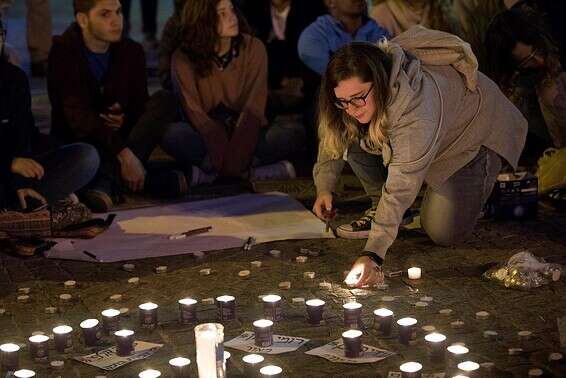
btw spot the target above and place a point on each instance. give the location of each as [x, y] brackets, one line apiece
[445, 234]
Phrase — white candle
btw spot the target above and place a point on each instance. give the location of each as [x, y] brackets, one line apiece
[148, 306]
[270, 371]
[209, 338]
[179, 361]
[24, 373]
[468, 366]
[411, 370]
[180, 366]
[435, 337]
[149, 373]
[414, 273]
[110, 313]
[9, 355]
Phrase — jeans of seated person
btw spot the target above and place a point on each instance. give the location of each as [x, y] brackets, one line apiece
[160, 111]
[67, 169]
[449, 212]
[283, 139]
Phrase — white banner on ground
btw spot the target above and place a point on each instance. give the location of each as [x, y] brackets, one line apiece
[334, 352]
[107, 359]
[281, 344]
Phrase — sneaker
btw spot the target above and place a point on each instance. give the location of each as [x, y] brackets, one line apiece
[98, 201]
[359, 229]
[170, 183]
[282, 170]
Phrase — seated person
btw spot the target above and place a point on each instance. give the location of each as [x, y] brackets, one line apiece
[220, 75]
[399, 15]
[525, 62]
[98, 91]
[32, 175]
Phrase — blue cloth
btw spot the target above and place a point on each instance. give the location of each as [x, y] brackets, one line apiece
[326, 35]
[98, 63]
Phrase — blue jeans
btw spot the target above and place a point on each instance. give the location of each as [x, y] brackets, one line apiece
[283, 139]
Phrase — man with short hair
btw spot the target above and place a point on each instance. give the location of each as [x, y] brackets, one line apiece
[98, 91]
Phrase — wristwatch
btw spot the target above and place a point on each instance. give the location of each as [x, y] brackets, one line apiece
[375, 258]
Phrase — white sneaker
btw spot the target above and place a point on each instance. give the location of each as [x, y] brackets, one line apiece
[282, 170]
[199, 176]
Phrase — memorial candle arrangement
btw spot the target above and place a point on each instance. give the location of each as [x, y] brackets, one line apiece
[39, 348]
[91, 332]
[9, 356]
[315, 309]
[383, 321]
[226, 305]
[110, 320]
[148, 315]
[436, 344]
[251, 364]
[263, 330]
[271, 371]
[180, 367]
[209, 338]
[411, 370]
[407, 331]
[272, 308]
[124, 342]
[352, 343]
[63, 337]
[352, 315]
[188, 310]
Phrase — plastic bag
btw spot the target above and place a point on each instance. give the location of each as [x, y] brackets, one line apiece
[524, 271]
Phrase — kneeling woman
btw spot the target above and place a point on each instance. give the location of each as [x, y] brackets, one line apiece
[419, 107]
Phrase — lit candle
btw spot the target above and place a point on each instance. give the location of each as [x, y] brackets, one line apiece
[148, 315]
[352, 343]
[411, 370]
[352, 315]
[251, 362]
[407, 331]
[63, 337]
[188, 310]
[263, 330]
[315, 308]
[24, 373]
[226, 305]
[91, 332]
[456, 354]
[271, 371]
[414, 273]
[110, 320]
[469, 368]
[124, 342]
[39, 347]
[180, 367]
[209, 340]
[149, 373]
[383, 321]
[272, 308]
[227, 356]
[436, 343]
[9, 356]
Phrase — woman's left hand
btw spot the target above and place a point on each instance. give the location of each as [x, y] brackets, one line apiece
[364, 273]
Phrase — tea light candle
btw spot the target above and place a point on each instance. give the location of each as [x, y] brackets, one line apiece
[116, 297]
[161, 269]
[414, 273]
[39, 347]
[325, 285]
[134, 281]
[129, 267]
[23, 298]
[209, 338]
[188, 310]
[148, 315]
[352, 315]
[256, 264]
[285, 285]
[309, 275]
[407, 330]
[251, 363]
[272, 308]
[208, 301]
[205, 272]
[383, 321]
[180, 367]
[534, 373]
[24, 373]
[456, 354]
[315, 309]
[469, 368]
[149, 373]
[110, 320]
[63, 337]
[244, 274]
[301, 259]
[352, 343]
[91, 332]
[226, 305]
[436, 343]
[50, 310]
[275, 253]
[271, 371]
[9, 356]
[124, 342]
[263, 330]
[65, 298]
[411, 370]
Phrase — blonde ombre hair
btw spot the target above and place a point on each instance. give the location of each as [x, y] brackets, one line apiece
[336, 129]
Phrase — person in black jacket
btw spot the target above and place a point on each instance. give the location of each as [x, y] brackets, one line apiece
[31, 174]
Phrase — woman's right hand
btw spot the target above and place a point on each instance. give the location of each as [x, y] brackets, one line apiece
[28, 168]
[323, 205]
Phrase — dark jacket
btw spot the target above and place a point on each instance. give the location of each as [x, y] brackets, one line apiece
[77, 98]
[17, 128]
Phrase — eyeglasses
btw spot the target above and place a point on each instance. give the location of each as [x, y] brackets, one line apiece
[357, 102]
[523, 63]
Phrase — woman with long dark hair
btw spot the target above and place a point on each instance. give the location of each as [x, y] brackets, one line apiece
[412, 111]
[220, 74]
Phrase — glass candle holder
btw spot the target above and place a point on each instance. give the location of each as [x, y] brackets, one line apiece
[436, 345]
[315, 310]
[209, 338]
[9, 356]
[24, 373]
[407, 331]
[39, 347]
[251, 365]
[124, 342]
[149, 373]
[469, 368]
[383, 321]
[411, 370]
[455, 354]
[148, 315]
[263, 330]
[63, 337]
[188, 310]
[352, 315]
[226, 306]
[352, 343]
[272, 308]
[271, 371]
[91, 332]
[180, 367]
[110, 320]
